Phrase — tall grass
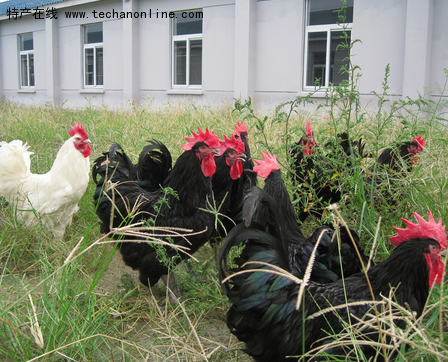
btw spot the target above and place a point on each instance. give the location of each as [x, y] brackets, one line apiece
[54, 311]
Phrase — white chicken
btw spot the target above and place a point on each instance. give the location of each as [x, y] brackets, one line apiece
[51, 198]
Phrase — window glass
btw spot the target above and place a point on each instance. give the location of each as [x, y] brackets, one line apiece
[24, 70]
[93, 33]
[187, 49]
[26, 59]
[187, 25]
[31, 66]
[196, 62]
[26, 41]
[89, 66]
[180, 62]
[93, 55]
[325, 57]
[326, 12]
[339, 57]
[99, 66]
[317, 50]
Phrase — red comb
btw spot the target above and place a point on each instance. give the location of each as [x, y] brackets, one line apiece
[308, 131]
[207, 137]
[266, 166]
[233, 143]
[78, 129]
[240, 128]
[422, 230]
[420, 142]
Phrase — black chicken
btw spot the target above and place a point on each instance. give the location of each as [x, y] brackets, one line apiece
[314, 172]
[120, 197]
[249, 178]
[263, 312]
[332, 259]
[391, 166]
[230, 187]
[403, 155]
[225, 181]
[154, 165]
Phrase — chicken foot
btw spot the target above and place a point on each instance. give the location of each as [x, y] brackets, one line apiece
[173, 288]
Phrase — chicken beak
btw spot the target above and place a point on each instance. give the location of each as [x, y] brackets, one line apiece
[443, 253]
[215, 152]
[242, 157]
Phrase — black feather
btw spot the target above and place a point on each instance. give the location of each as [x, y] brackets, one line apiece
[263, 312]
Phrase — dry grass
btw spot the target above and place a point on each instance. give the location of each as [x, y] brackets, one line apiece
[52, 306]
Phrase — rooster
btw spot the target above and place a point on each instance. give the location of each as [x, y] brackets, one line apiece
[264, 299]
[234, 187]
[309, 175]
[153, 166]
[226, 180]
[51, 198]
[403, 155]
[315, 172]
[393, 163]
[249, 178]
[190, 179]
[226, 187]
[332, 260]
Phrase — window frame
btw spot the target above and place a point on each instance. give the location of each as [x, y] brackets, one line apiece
[328, 28]
[27, 53]
[93, 46]
[187, 38]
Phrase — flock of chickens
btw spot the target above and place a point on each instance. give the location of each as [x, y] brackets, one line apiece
[290, 295]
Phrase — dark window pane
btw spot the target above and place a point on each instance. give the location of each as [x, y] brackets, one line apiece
[339, 58]
[187, 25]
[325, 11]
[31, 65]
[99, 66]
[24, 70]
[93, 33]
[26, 41]
[180, 62]
[196, 62]
[316, 62]
[89, 66]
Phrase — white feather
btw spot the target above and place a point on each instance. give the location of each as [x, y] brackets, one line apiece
[54, 196]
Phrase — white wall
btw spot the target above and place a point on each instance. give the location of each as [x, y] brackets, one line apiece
[10, 59]
[439, 50]
[71, 57]
[279, 42]
[274, 43]
[380, 25]
[217, 53]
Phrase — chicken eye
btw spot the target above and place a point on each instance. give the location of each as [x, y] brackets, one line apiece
[433, 248]
[203, 148]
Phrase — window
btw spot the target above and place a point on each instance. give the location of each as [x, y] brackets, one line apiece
[93, 56]
[26, 60]
[187, 50]
[323, 34]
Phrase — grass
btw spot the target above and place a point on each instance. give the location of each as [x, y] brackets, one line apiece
[93, 307]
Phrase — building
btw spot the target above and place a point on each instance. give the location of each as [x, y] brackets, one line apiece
[80, 52]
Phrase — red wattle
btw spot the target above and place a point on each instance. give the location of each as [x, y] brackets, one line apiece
[236, 170]
[86, 152]
[208, 165]
[436, 272]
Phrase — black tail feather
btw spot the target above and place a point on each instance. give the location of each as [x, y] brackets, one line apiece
[154, 165]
